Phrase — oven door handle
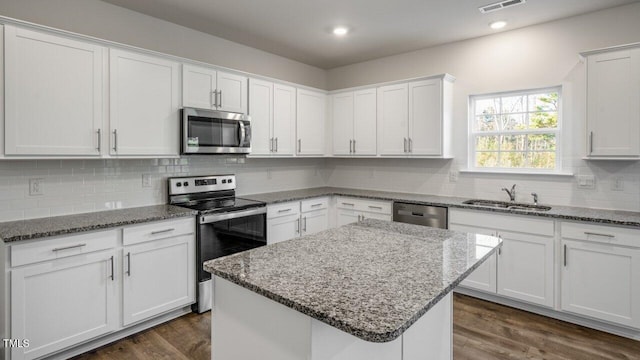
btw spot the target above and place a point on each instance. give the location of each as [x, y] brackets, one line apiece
[206, 219]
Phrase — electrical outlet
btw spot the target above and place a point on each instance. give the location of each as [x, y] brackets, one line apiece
[453, 176]
[617, 183]
[146, 180]
[586, 181]
[36, 186]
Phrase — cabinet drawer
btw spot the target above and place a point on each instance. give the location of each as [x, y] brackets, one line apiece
[284, 209]
[314, 204]
[61, 247]
[601, 234]
[491, 220]
[380, 207]
[158, 230]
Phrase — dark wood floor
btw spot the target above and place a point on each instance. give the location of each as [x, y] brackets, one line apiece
[481, 330]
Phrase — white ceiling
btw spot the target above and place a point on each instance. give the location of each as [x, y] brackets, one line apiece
[301, 29]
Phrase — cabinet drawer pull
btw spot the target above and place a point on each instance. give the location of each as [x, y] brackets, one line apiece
[348, 204]
[316, 205]
[284, 210]
[162, 231]
[69, 247]
[129, 264]
[599, 234]
[375, 207]
[113, 269]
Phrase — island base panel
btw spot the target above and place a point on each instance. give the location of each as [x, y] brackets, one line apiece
[246, 325]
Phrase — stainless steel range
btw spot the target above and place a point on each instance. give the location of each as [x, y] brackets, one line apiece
[225, 224]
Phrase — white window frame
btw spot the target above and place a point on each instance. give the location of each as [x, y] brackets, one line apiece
[471, 138]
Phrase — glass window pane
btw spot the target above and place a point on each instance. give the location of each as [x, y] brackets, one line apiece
[486, 159]
[543, 102]
[542, 160]
[513, 122]
[486, 123]
[487, 143]
[542, 142]
[513, 104]
[513, 142]
[512, 159]
[487, 106]
[543, 120]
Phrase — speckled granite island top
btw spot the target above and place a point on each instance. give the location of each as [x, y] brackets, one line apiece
[371, 279]
[603, 216]
[51, 226]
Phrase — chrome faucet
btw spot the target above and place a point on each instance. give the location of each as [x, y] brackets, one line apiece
[512, 192]
[535, 198]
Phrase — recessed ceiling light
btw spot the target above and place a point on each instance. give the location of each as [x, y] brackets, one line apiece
[340, 30]
[498, 24]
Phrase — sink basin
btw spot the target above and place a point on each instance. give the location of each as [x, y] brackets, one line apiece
[507, 205]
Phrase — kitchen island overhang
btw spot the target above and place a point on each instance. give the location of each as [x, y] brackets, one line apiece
[373, 289]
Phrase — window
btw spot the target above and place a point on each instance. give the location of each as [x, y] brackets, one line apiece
[516, 130]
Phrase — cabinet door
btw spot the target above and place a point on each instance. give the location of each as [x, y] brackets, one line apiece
[425, 117]
[198, 86]
[342, 117]
[158, 276]
[284, 119]
[144, 104]
[64, 302]
[393, 127]
[283, 228]
[315, 221]
[525, 268]
[232, 92]
[613, 114]
[347, 217]
[261, 112]
[601, 281]
[310, 122]
[54, 90]
[484, 277]
[364, 122]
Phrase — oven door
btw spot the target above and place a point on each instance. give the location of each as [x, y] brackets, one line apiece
[225, 234]
[215, 132]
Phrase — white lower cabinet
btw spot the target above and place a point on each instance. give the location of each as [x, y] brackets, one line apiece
[290, 220]
[601, 273]
[523, 269]
[66, 290]
[352, 210]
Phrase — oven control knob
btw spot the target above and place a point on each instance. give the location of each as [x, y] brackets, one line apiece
[179, 184]
[230, 181]
[224, 181]
[185, 183]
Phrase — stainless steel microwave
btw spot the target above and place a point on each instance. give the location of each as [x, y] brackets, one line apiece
[215, 132]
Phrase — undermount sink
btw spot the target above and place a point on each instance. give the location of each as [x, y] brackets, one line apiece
[507, 205]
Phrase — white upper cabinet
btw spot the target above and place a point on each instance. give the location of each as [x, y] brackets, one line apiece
[272, 110]
[311, 110]
[613, 113]
[144, 104]
[207, 88]
[54, 95]
[414, 118]
[354, 122]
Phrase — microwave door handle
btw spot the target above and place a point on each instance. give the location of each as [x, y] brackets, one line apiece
[243, 133]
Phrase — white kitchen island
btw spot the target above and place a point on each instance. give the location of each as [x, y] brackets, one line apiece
[370, 290]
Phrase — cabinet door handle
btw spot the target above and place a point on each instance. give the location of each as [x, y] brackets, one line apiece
[304, 224]
[591, 142]
[115, 140]
[284, 210]
[299, 145]
[270, 144]
[298, 226]
[354, 146]
[410, 145]
[565, 255]
[68, 247]
[128, 264]
[599, 234]
[220, 93]
[350, 146]
[276, 144]
[405, 144]
[113, 269]
[212, 98]
[162, 231]
[316, 205]
[348, 204]
[99, 141]
[375, 207]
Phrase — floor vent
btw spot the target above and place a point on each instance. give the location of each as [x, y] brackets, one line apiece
[500, 5]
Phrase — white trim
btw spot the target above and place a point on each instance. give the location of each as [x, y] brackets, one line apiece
[584, 54]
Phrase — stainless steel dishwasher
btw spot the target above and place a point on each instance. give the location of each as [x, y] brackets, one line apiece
[434, 216]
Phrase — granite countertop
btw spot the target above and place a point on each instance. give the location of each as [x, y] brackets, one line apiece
[51, 226]
[371, 279]
[613, 217]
